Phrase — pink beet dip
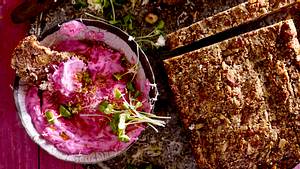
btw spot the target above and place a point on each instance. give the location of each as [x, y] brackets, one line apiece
[84, 84]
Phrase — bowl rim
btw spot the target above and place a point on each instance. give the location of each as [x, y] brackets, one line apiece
[90, 158]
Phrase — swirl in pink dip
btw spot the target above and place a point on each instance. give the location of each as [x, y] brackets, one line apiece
[83, 134]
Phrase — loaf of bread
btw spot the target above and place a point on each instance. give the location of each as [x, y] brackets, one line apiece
[233, 17]
[240, 99]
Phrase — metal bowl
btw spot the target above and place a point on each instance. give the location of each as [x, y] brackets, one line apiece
[116, 38]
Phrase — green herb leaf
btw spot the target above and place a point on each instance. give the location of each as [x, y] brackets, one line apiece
[64, 111]
[136, 94]
[103, 105]
[118, 125]
[87, 78]
[114, 22]
[130, 87]
[138, 105]
[127, 18]
[160, 25]
[109, 109]
[114, 122]
[125, 105]
[128, 21]
[157, 32]
[117, 76]
[105, 3]
[106, 107]
[50, 117]
[117, 93]
[124, 138]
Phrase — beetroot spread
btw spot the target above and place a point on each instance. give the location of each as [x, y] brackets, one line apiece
[92, 103]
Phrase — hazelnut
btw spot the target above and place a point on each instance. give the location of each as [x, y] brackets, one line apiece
[151, 18]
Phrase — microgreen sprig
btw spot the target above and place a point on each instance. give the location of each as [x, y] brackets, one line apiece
[153, 33]
[132, 70]
[113, 13]
[64, 111]
[156, 32]
[130, 114]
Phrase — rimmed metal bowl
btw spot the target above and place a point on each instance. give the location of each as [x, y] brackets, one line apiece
[115, 38]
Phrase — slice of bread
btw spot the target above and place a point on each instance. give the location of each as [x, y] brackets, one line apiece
[31, 60]
[233, 17]
[240, 99]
